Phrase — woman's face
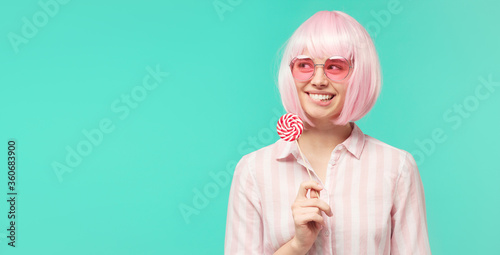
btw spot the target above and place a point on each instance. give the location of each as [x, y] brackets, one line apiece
[318, 86]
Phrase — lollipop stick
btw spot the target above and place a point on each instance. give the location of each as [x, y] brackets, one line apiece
[289, 128]
[304, 158]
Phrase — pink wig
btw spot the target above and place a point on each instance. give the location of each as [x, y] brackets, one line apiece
[325, 34]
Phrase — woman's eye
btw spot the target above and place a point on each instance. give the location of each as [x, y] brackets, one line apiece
[304, 65]
[334, 67]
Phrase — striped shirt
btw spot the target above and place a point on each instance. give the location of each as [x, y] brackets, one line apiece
[374, 190]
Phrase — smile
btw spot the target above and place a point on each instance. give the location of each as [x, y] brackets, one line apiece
[321, 97]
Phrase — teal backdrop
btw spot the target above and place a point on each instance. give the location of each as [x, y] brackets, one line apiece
[128, 116]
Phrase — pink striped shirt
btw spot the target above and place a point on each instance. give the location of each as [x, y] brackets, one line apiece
[374, 190]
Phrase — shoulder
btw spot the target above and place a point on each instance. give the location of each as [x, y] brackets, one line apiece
[375, 143]
[268, 151]
[401, 159]
[262, 156]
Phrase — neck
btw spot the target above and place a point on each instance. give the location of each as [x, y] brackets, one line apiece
[323, 138]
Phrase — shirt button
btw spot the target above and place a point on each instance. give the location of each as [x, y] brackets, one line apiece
[327, 233]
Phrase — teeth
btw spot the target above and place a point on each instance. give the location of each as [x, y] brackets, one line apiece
[320, 97]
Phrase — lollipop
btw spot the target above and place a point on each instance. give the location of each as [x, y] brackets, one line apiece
[290, 127]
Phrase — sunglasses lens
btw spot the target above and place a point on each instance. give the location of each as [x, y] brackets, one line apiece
[337, 68]
[302, 69]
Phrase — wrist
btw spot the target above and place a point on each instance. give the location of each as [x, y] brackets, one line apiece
[297, 247]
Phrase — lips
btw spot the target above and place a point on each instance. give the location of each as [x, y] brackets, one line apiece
[321, 99]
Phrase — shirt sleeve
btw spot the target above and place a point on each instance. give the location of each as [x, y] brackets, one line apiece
[244, 228]
[409, 233]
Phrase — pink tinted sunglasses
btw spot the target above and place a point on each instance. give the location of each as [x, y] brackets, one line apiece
[336, 68]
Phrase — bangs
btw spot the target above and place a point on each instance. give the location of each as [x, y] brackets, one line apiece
[324, 37]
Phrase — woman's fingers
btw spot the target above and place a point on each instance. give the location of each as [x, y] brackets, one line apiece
[314, 194]
[302, 193]
[305, 210]
[303, 201]
[312, 205]
[317, 203]
[307, 217]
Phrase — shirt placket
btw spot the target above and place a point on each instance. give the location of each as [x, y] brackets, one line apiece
[329, 232]
[316, 178]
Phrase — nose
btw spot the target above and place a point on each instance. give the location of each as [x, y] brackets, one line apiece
[319, 79]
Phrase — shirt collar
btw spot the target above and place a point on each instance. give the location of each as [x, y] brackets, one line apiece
[354, 144]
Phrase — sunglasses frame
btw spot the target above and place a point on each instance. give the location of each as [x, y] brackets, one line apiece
[324, 73]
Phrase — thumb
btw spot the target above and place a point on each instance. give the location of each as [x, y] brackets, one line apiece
[313, 193]
[320, 226]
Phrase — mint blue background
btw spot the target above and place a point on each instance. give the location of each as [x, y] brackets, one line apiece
[124, 197]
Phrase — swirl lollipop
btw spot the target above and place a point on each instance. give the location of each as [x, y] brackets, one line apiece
[290, 127]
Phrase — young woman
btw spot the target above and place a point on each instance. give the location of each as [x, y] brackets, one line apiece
[371, 198]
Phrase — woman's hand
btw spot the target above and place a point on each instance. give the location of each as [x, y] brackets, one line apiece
[307, 215]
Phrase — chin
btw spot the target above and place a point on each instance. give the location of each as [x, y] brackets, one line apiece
[319, 116]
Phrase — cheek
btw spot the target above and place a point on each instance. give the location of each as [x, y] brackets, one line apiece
[343, 93]
[299, 87]
[341, 101]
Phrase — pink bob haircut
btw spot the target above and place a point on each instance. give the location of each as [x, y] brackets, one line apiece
[325, 34]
